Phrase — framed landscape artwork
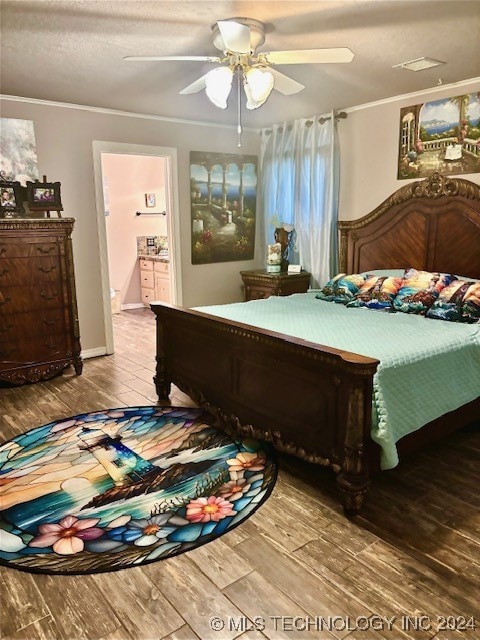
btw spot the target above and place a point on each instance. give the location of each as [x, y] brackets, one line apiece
[18, 153]
[441, 136]
[223, 192]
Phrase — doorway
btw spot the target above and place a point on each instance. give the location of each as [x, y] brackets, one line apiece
[169, 217]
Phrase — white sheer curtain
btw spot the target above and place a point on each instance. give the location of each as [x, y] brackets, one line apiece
[299, 186]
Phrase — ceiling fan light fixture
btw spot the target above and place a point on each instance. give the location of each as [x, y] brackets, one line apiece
[258, 85]
[218, 84]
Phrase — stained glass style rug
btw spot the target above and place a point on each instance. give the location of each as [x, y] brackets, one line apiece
[113, 489]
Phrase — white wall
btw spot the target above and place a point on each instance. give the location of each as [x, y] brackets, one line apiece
[64, 136]
[369, 150]
[129, 178]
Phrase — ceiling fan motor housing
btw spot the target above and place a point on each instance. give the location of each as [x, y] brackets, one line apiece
[257, 33]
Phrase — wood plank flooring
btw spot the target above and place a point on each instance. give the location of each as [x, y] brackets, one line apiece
[408, 567]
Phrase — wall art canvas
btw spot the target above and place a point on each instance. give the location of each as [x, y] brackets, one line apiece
[223, 189]
[441, 136]
[18, 152]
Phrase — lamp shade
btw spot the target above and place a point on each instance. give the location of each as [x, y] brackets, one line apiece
[218, 84]
[258, 86]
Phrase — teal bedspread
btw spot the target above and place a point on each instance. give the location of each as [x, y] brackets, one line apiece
[427, 367]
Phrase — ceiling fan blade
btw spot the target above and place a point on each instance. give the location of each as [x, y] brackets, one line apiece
[284, 84]
[235, 36]
[185, 58]
[195, 87]
[310, 56]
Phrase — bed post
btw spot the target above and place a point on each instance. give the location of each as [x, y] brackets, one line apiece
[354, 479]
[161, 378]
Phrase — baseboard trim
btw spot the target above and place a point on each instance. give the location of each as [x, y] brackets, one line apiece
[132, 305]
[93, 353]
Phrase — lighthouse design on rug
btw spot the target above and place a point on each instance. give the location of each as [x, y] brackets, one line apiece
[122, 464]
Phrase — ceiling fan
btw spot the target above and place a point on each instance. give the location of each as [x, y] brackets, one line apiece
[238, 39]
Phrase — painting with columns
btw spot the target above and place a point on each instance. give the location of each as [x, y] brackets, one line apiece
[223, 189]
[440, 137]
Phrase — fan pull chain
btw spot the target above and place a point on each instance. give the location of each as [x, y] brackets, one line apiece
[239, 109]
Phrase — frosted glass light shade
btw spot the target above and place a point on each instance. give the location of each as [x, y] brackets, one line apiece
[218, 84]
[258, 86]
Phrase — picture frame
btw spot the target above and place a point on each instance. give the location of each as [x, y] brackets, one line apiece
[11, 199]
[150, 200]
[442, 136]
[223, 204]
[44, 196]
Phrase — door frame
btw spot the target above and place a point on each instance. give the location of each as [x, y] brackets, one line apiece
[173, 221]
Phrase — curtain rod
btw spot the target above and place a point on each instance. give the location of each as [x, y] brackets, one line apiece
[308, 123]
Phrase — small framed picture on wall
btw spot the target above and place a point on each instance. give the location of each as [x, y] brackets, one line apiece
[150, 200]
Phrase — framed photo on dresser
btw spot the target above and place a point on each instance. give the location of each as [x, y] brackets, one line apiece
[44, 196]
[11, 199]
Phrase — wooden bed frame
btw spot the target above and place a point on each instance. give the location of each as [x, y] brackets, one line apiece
[310, 400]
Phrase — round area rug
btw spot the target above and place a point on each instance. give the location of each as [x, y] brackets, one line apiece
[113, 489]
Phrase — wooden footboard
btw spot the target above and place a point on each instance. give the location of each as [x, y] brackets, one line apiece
[309, 400]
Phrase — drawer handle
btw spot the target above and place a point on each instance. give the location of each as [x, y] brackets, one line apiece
[50, 322]
[7, 299]
[50, 346]
[6, 328]
[3, 272]
[46, 269]
[49, 296]
[3, 250]
[46, 249]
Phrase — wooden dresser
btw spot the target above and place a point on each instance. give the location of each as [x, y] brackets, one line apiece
[259, 283]
[39, 334]
[154, 280]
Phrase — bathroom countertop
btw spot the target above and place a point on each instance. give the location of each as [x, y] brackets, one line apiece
[156, 258]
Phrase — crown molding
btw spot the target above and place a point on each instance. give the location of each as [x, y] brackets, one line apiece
[118, 112]
[383, 101]
[404, 96]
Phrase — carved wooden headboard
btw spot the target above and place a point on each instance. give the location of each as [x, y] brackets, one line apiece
[432, 224]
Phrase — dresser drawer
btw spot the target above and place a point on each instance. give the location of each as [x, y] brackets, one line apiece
[146, 265]
[23, 326]
[147, 279]
[30, 271]
[30, 298]
[40, 349]
[29, 248]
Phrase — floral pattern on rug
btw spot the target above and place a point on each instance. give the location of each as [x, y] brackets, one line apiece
[111, 489]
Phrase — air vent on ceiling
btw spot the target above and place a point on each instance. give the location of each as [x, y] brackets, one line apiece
[419, 64]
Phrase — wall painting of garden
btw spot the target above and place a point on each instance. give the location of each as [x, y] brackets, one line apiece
[441, 136]
[223, 191]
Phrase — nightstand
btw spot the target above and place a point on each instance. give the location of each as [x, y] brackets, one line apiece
[261, 284]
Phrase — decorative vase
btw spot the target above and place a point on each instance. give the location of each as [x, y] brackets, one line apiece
[274, 257]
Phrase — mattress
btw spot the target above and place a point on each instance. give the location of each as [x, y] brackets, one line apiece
[427, 367]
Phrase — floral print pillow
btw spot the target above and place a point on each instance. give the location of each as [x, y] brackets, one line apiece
[419, 290]
[458, 302]
[342, 288]
[377, 292]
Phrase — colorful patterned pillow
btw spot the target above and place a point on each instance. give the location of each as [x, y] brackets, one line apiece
[341, 288]
[471, 303]
[459, 302]
[377, 292]
[419, 290]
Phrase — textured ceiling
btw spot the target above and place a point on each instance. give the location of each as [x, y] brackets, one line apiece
[72, 51]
